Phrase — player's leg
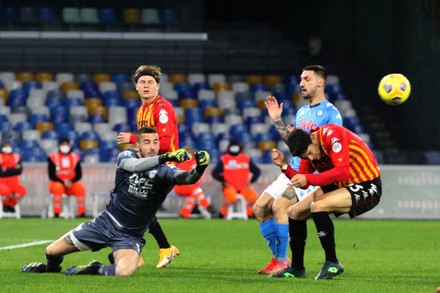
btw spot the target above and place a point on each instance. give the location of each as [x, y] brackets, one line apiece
[55, 253]
[167, 252]
[264, 214]
[335, 201]
[280, 208]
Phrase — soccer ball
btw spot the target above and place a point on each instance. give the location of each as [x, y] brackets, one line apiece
[394, 89]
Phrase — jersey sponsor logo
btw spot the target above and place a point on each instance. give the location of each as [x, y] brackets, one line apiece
[163, 116]
[306, 125]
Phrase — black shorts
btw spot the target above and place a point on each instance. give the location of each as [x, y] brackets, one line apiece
[364, 196]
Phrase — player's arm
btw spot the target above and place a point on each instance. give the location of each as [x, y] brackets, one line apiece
[190, 177]
[274, 110]
[134, 165]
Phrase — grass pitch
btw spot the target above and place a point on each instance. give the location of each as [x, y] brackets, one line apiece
[224, 256]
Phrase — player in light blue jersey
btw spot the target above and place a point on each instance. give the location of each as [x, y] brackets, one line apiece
[271, 207]
[142, 182]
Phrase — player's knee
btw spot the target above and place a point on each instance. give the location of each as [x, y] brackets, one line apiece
[125, 270]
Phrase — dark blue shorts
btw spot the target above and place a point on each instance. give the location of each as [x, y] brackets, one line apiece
[103, 232]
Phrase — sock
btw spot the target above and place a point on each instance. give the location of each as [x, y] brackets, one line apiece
[298, 237]
[267, 229]
[53, 262]
[107, 270]
[157, 232]
[283, 241]
[326, 234]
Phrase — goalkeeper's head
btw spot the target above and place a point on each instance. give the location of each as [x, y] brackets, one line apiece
[147, 142]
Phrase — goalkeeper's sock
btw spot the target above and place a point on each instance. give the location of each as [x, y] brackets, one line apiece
[268, 231]
[156, 230]
[53, 262]
[107, 270]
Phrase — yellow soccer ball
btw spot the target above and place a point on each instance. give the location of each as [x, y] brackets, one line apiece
[394, 89]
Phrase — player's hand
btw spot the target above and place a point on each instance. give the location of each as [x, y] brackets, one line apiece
[273, 108]
[124, 137]
[179, 156]
[202, 160]
[278, 158]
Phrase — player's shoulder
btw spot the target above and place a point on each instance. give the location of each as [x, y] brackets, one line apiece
[128, 153]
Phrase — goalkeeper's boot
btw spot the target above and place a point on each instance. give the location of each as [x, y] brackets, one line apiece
[290, 272]
[330, 270]
[166, 255]
[37, 267]
[90, 269]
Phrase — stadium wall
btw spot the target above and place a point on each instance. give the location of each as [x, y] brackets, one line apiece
[409, 192]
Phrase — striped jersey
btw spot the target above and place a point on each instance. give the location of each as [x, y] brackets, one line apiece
[345, 159]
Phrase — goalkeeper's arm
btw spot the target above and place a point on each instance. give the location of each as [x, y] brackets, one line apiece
[191, 177]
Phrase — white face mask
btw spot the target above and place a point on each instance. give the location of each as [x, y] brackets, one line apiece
[7, 149]
[234, 149]
[64, 149]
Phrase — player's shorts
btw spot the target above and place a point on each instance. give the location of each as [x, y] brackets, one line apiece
[103, 232]
[277, 187]
[364, 196]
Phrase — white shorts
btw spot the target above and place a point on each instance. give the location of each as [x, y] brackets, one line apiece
[276, 188]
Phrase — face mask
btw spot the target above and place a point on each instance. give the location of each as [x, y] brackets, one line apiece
[64, 149]
[235, 149]
[7, 149]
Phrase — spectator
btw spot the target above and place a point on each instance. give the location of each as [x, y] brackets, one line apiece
[234, 172]
[194, 193]
[65, 172]
[11, 189]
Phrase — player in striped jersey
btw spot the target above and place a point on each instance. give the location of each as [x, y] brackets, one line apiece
[349, 180]
[158, 113]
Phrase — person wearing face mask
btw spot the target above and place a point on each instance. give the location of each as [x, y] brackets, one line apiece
[11, 190]
[236, 171]
[65, 172]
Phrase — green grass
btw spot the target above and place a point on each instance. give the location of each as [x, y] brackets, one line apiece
[224, 256]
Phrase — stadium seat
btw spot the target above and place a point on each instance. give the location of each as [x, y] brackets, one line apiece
[50, 134]
[98, 111]
[49, 145]
[69, 85]
[199, 127]
[30, 135]
[10, 16]
[62, 77]
[43, 76]
[117, 114]
[240, 87]
[101, 77]
[91, 103]
[105, 86]
[221, 86]
[253, 78]
[25, 76]
[44, 126]
[189, 103]
[130, 94]
[63, 128]
[28, 15]
[75, 93]
[47, 16]
[49, 85]
[266, 145]
[150, 16]
[14, 118]
[168, 16]
[21, 126]
[82, 126]
[131, 16]
[272, 79]
[175, 78]
[71, 15]
[107, 16]
[89, 15]
[17, 98]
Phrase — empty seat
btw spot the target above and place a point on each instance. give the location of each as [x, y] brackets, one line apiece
[100, 77]
[7, 76]
[28, 15]
[62, 77]
[25, 76]
[69, 85]
[71, 15]
[130, 94]
[205, 94]
[177, 78]
[81, 127]
[131, 16]
[44, 126]
[78, 113]
[117, 115]
[150, 16]
[253, 78]
[43, 76]
[75, 93]
[219, 86]
[105, 86]
[89, 15]
[199, 127]
[49, 145]
[49, 85]
[47, 15]
[14, 118]
[168, 16]
[10, 15]
[214, 78]
[31, 134]
[194, 78]
[107, 16]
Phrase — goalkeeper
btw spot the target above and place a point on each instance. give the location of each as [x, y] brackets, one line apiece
[143, 180]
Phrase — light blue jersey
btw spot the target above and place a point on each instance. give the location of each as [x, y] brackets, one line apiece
[309, 117]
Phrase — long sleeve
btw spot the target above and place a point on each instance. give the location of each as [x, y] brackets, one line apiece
[217, 172]
[255, 170]
[51, 170]
[187, 177]
[78, 173]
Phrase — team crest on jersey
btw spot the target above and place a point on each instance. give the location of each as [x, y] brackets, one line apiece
[336, 147]
[320, 113]
[163, 116]
[152, 174]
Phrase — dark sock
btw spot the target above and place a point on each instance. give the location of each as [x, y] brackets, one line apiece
[326, 234]
[53, 262]
[157, 232]
[298, 237]
[107, 270]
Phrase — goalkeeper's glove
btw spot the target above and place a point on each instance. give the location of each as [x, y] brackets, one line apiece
[179, 156]
[202, 160]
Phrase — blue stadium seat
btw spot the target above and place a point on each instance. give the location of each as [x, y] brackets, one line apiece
[10, 15]
[258, 87]
[47, 15]
[201, 85]
[22, 126]
[120, 78]
[96, 118]
[36, 154]
[37, 117]
[28, 15]
[32, 84]
[238, 130]
[107, 16]
[71, 135]
[168, 16]
[266, 157]
[63, 127]
[112, 98]
[17, 98]
[59, 114]
[49, 134]
[122, 127]
[207, 103]
[5, 126]
[70, 102]
[109, 154]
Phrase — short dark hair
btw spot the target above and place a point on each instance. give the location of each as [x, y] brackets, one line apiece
[298, 141]
[149, 70]
[318, 70]
[147, 129]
